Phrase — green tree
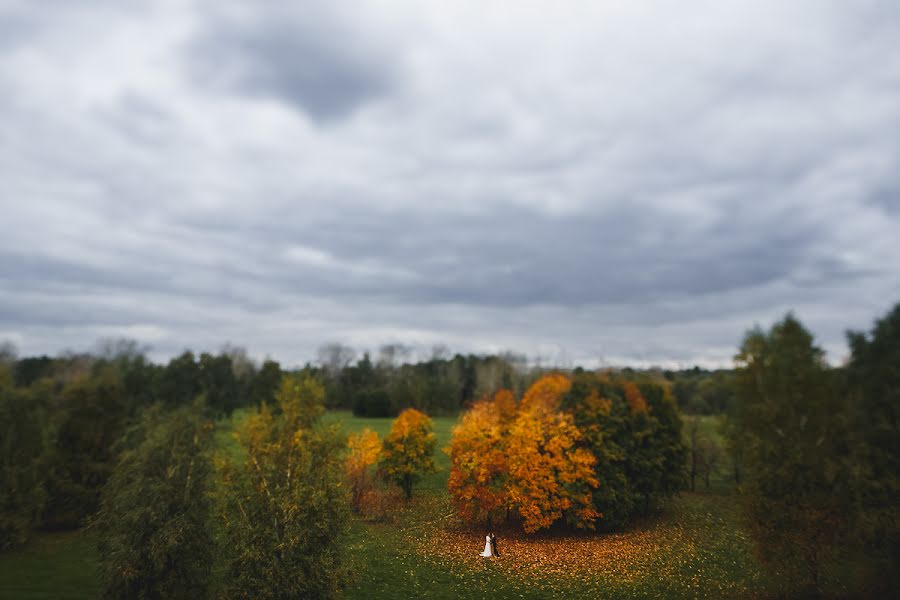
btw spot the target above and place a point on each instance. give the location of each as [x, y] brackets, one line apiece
[874, 382]
[23, 442]
[153, 518]
[795, 447]
[82, 455]
[408, 450]
[285, 510]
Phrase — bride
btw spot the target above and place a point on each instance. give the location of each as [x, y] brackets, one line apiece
[487, 547]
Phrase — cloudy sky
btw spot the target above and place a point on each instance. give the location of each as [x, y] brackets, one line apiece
[600, 182]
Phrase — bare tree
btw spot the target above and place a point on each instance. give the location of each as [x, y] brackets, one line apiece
[334, 357]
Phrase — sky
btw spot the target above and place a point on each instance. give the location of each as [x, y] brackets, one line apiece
[598, 183]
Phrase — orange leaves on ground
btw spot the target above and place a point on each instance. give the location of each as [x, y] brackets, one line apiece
[524, 458]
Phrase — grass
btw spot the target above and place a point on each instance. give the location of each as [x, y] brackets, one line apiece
[696, 548]
[57, 566]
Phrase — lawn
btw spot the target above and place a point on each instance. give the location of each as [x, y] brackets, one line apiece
[695, 548]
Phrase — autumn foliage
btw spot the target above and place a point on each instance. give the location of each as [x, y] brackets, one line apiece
[522, 458]
[586, 450]
[408, 450]
[363, 450]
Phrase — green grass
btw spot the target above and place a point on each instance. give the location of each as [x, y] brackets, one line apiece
[697, 548]
[58, 566]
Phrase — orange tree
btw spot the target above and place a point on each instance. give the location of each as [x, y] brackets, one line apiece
[408, 450]
[479, 467]
[363, 451]
[524, 458]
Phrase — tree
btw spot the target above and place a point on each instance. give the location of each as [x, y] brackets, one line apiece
[408, 450]
[363, 451]
[796, 485]
[522, 457]
[154, 540]
[874, 386]
[82, 452]
[479, 471]
[285, 511]
[549, 475]
[23, 442]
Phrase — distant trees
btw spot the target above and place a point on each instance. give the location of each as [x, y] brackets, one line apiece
[284, 510]
[438, 385]
[408, 450]
[154, 540]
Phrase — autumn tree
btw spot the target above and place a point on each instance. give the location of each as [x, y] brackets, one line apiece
[363, 449]
[284, 509]
[550, 476]
[523, 458]
[479, 470]
[408, 450]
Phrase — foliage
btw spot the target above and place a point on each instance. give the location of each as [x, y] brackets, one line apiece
[363, 449]
[797, 474]
[23, 443]
[549, 476]
[408, 451]
[874, 385]
[633, 430]
[284, 510]
[153, 521]
[91, 419]
[479, 471]
[522, 457]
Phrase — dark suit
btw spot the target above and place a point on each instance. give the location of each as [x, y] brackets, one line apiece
[494, 550]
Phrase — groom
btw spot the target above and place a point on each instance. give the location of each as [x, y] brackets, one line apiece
[494, 550]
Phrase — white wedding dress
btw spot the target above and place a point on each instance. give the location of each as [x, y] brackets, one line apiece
[487, 547]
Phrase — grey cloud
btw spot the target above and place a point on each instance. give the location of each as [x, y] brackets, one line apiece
[555, 201]
[315, 60]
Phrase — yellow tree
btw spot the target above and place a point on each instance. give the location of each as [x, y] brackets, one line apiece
[363, 451]
[524, 457]
[478, 464]
[549, 476]
[408, 450]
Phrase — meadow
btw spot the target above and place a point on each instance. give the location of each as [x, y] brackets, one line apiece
[695, 547]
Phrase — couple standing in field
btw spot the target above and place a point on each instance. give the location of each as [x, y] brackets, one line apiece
[490, 546]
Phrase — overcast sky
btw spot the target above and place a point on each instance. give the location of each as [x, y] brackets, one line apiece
[597, 183]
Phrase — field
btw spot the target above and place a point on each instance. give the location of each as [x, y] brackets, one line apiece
[695, 548]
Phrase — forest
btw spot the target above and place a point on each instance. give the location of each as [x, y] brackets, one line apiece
[218, 476]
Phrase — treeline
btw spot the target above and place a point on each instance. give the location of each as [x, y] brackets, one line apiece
[63, 422]
[383, 387]
[820, 449]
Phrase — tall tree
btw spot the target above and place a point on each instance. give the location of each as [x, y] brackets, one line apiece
[285, 510]
[154, 537]
[789, 413]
